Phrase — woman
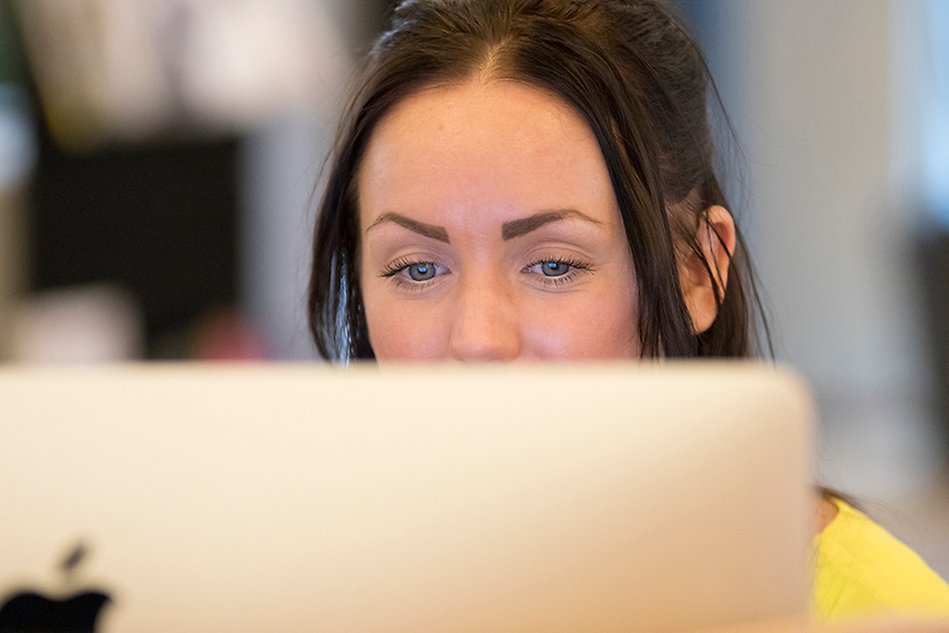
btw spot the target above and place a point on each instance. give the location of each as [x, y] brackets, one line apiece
[533, 179]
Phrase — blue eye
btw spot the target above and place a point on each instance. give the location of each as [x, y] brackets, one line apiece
[555, 268]
[422, 271]
[411, 272]
[558, 270]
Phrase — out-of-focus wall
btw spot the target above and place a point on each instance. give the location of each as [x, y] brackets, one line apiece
[17, 160]
[171, 156]
[281, 164]
[822, 96]
[282, 167]
[809, 87]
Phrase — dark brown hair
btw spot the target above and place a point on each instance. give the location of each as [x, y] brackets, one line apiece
[631, 70]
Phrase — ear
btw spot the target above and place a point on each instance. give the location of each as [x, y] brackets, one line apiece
[716, 238]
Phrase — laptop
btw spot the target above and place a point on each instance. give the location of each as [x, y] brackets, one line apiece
[420, 498]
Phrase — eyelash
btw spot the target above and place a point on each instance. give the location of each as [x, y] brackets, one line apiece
[394, 268]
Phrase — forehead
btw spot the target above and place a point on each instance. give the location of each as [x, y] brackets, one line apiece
[490, 145]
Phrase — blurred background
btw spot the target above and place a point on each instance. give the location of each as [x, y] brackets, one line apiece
[160, 161]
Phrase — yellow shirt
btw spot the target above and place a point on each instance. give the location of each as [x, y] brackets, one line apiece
[862, 570]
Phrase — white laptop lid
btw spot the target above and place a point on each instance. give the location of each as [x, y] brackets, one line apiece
[306, 498]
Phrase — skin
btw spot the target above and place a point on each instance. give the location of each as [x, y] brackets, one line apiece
[467, 192]
[499, 179]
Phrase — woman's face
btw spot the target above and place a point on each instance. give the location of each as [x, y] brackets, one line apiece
[490, 232]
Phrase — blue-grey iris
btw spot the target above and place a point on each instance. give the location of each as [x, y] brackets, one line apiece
[422, 271]
[555, 269]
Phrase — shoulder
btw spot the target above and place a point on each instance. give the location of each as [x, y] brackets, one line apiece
[861, 569]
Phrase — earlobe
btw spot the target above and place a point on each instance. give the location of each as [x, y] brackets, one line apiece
[704, 277]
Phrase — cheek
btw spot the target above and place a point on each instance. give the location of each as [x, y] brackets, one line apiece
[599, 327]
[402, 330]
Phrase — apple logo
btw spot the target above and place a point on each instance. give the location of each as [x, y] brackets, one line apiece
[29, 611]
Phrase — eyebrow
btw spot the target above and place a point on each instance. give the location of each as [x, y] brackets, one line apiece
[427, 230]
[509, 230]
[523, 226]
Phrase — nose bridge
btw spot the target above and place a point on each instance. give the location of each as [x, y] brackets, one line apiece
[485, 326]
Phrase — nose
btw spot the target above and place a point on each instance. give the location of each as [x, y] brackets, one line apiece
[484, 327]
